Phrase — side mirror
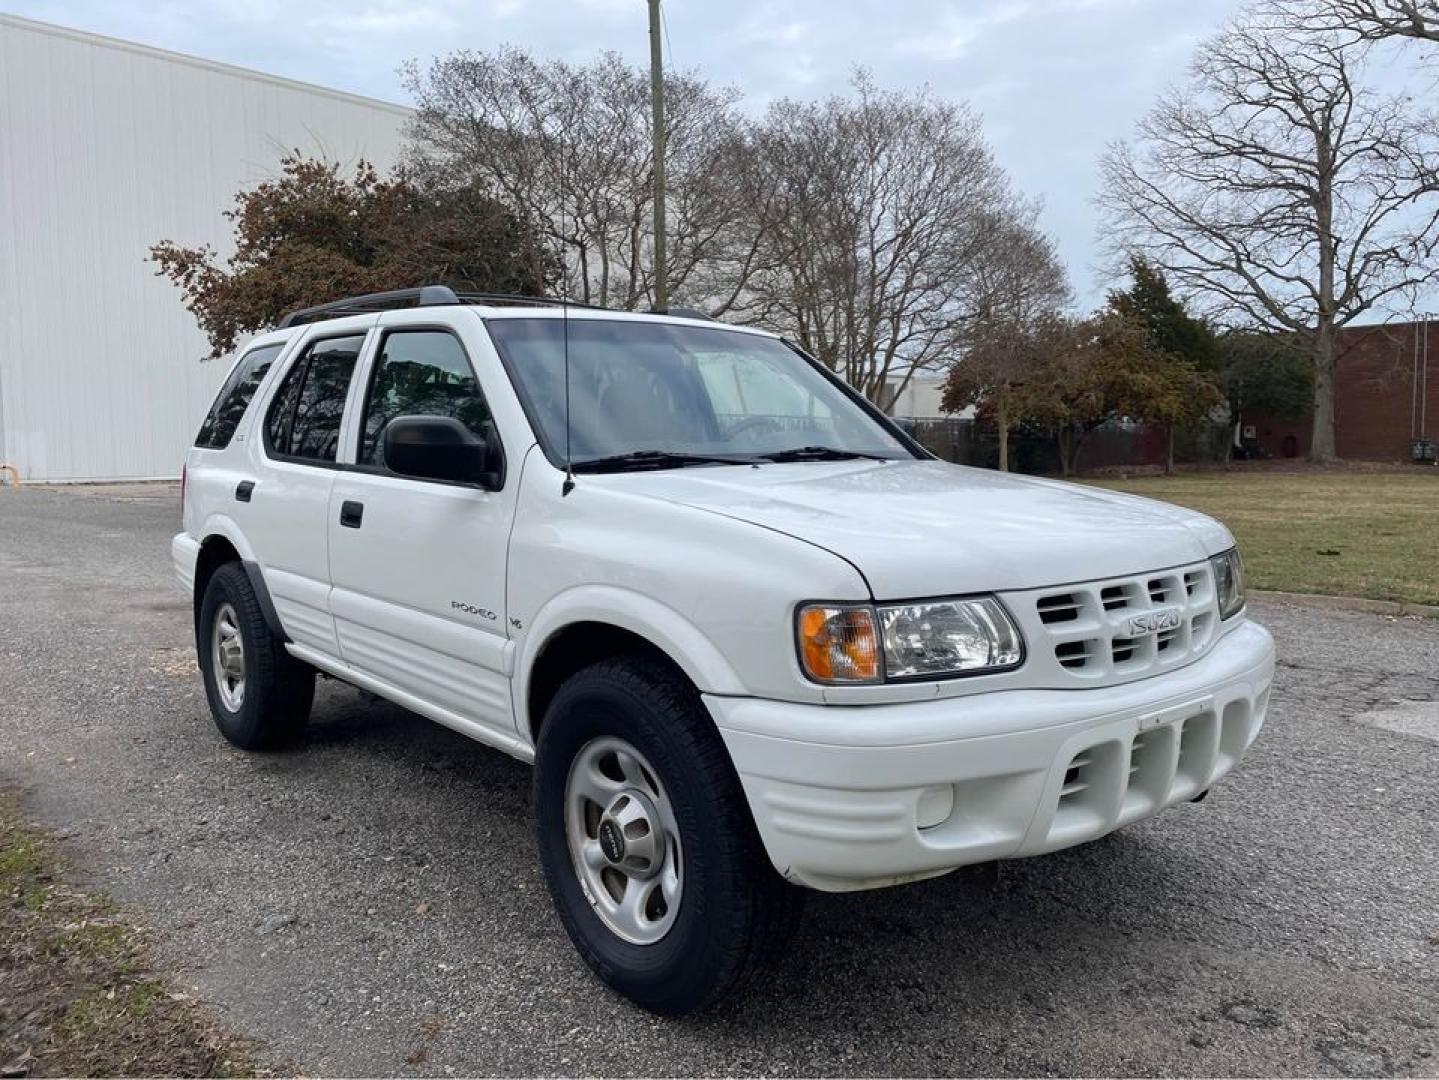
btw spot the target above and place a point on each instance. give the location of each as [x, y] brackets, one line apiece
[441, 448]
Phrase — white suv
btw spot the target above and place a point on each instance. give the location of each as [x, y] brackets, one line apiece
[748, 631]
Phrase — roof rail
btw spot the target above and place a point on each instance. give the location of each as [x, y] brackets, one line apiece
[520, 299]
[424, 296]
[683, 313]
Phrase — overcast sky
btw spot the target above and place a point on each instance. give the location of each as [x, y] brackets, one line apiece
[1053, 79]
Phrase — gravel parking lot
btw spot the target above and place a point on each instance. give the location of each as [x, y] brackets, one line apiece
[371, 903]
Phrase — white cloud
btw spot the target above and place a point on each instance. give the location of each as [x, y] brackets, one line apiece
[959, 28]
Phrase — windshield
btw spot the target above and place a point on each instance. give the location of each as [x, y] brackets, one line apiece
[650, 394]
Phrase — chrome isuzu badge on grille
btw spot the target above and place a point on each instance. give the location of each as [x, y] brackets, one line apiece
[1152, 622]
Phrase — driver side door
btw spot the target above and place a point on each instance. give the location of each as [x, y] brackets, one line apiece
[418, 566]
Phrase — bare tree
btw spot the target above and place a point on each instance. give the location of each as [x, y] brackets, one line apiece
[1365, 20]
[885, 204]
[569, 146]
[1279, 191]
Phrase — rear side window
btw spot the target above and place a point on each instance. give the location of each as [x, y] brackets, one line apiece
[234, 397]
[304, 421]
[421, 373]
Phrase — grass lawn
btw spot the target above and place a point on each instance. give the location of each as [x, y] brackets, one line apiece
[79, 990]
[1369, 534]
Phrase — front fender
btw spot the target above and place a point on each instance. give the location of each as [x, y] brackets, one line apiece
[664, 627]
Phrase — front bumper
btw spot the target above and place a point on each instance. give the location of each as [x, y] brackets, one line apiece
[855, 797]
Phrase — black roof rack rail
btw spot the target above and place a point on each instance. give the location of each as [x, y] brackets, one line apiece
[520, 299]
[683, 313]
[424, 296]
[441, 296]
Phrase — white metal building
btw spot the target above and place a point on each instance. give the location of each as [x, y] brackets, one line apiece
[107, 147]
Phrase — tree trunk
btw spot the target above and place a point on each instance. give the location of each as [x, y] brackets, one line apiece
[1321, 442]
[1169, 450]
[1001, 417]
[1062, 438]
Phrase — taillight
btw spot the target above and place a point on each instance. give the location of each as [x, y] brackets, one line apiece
[184, 475]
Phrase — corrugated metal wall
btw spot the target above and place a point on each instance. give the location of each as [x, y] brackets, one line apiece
[106, 148]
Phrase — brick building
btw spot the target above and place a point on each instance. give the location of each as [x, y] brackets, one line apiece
[1386, 395]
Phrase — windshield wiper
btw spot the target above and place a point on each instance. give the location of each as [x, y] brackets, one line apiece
[655, 459]
[821, 453]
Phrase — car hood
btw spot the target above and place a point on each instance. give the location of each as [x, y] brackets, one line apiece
[927, 528]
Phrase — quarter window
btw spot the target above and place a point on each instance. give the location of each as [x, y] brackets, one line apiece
[304, 421]
[421, 373]
[234, 397]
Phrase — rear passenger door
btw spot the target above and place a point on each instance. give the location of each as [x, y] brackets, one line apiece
[284, 513]
[418, 566]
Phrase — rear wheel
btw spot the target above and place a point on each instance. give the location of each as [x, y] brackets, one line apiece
[647, 844]
[259, 694]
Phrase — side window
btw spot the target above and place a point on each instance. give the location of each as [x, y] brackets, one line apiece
[234, 397]
[420, 373]
[304, 421]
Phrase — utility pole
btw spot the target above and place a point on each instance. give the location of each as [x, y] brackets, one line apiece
[657, 108]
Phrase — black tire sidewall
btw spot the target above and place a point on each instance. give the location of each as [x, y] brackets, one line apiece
[276, 698]
[238, 726]
[692, 962]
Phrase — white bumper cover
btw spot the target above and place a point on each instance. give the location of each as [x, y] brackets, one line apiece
[185, 553]
[853, 797]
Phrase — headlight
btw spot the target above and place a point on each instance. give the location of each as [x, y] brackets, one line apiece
[946, 637]
[933, 638]
[1228, 582]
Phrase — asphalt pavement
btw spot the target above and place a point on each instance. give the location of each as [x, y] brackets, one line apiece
[370, 903]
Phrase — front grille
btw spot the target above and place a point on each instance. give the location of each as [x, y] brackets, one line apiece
[1061, 607]
[1124, 628]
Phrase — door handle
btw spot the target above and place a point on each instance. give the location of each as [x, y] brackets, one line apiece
[243, 490]
[351, 514]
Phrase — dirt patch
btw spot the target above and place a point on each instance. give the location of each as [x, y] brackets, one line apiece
[79, 991]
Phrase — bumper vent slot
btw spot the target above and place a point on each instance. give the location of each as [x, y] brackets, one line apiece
[1075, 780]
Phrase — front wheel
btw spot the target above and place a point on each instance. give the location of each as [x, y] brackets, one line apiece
[646, 841]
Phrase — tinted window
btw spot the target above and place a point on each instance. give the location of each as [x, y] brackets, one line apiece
[234, 397]
[277, 424]
[305, 420]
[421, 373]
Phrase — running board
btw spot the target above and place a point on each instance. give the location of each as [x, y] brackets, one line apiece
[511, 745]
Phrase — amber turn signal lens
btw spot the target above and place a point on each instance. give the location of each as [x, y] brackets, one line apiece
[839, 645]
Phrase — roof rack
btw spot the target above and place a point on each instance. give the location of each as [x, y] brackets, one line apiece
[425, 296]
[683, 313]
[488, 298]
[441, 296]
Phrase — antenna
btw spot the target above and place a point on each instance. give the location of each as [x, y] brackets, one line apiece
[569, 484]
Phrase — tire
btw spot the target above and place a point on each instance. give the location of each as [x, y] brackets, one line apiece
[733, 914]
[270, 705]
